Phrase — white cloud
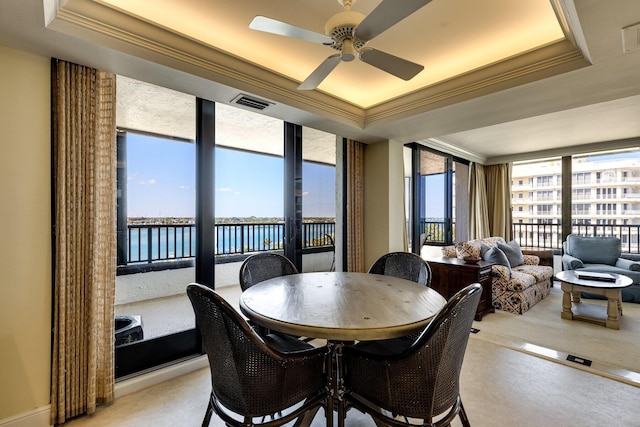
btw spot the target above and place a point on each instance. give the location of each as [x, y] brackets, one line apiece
[184, 187]
[148, 182]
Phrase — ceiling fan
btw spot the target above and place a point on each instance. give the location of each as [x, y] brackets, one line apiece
[348, 32]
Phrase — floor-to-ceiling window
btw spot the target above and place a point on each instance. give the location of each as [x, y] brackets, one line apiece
[201, 186]
[603, 199]
[318, 199]
[438, 191]
[536, 203]
[156, 225]
[249, 191]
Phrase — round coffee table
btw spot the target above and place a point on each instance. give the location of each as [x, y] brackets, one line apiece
[574, 309]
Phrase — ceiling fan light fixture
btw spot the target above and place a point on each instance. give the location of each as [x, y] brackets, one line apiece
[348, 51]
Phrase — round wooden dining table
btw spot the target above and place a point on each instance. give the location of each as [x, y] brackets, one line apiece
[340, 307]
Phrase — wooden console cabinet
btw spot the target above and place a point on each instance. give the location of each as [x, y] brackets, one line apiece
[449, 275]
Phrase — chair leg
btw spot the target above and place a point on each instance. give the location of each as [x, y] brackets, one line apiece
[463, 416]
[207, 415]
[305, 419]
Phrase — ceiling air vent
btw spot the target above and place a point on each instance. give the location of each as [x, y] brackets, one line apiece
[251, 102]
[631, 38]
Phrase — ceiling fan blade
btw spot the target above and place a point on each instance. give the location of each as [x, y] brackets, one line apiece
[320, 73]
[399, 67]
[387, 14]
[268, 25]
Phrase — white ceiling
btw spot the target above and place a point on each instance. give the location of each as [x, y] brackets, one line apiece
[549, 96]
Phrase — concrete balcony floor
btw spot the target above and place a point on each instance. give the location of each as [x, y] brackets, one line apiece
[170, 314]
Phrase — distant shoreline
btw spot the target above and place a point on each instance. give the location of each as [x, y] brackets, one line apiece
[225, 220]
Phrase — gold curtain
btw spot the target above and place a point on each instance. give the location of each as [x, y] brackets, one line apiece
[478, 211]
[355, 206]
[499, 200]
[84, 156]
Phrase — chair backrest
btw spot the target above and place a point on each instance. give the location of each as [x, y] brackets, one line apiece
[404, 265]
[263, 266]
[247, 376]
[593, 250]
[423, 381]
[446, 338]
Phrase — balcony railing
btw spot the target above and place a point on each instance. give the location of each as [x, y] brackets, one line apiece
[549, 236]
[434, 231]
[149, 243]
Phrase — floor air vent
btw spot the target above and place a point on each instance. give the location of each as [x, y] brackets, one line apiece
[579, 360]
[251, 102]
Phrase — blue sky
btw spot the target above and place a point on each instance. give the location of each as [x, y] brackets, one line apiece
[434, 188]
[161, 182]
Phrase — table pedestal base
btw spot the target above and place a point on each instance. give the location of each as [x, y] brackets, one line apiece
[574, 309]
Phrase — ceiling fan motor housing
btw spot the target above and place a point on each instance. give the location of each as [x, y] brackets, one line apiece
[340, 28]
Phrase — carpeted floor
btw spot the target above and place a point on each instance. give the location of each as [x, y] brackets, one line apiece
[542, 326]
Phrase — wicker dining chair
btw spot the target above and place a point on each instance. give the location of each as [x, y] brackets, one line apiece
[421, 381]
[264, 266]
[404, 265]
[252, 377]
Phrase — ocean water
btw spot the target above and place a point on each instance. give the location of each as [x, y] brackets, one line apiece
[173, 242]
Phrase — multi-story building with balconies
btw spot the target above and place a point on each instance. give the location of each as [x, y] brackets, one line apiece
[605, 193]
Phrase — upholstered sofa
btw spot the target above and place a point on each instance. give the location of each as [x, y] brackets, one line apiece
[601, 254]
[514, 288]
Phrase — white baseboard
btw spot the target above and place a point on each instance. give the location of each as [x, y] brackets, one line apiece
[40, 417]
[157, 376]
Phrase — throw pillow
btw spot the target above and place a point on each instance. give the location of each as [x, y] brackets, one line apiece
[513, 252]
[496, 256]
[449, 252]
[468, 249]
[483, 250]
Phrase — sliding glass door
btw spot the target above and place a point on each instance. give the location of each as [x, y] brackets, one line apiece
[438, 197]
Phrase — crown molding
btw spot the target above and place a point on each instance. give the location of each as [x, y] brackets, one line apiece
[547, 61]
[105, 25]
[112, 28]
[445, 147]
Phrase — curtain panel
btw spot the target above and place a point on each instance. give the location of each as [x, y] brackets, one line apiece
[478, 210]
[499, 200]
[490, 201]
[84, 168]
[355, 206]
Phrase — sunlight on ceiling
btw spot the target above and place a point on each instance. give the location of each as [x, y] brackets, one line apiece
[449, 38]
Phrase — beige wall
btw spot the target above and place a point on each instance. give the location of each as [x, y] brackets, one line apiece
[25, 230]
[25, 252]
[383, 200]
